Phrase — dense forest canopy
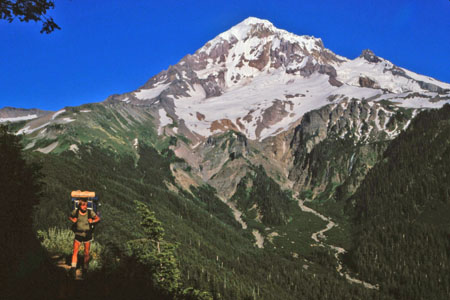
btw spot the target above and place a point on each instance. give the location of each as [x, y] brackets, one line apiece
[401, 227]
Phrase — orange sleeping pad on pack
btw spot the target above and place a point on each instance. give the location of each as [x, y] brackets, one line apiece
[92, 200]
[82, 194]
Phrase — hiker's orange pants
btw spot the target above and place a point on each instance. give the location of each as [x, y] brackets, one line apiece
[76, 247]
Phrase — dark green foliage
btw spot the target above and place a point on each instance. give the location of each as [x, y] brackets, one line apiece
[335, 166]
[324, 257]
[152, 227]
[20, 190]
[194, 294]
[16, 126]
[154, 168]
[23, 262]
[207, 197]
[29, 10]
[272, 202]
[325, 160]
[402, 213]
[184, 139]
[172, 140]
[153, 255]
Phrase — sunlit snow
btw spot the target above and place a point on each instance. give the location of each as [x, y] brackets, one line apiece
[151, 93]
[27, 129]
[257, 97]
[17, 119]
[58, 113]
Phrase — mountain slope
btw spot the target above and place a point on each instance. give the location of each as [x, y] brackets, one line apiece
[339, 143]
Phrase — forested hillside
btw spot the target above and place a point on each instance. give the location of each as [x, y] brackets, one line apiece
[400, 224]
[401, 213]
[258, 194]
[213, 253]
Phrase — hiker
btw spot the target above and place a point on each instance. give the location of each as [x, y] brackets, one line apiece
[83, 220]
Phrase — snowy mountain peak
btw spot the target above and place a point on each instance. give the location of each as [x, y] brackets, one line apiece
[242, 30]
[254, 47]
[260, 80]
[254, 20]
[253, 29]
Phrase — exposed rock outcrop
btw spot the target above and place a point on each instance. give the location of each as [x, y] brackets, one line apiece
[367, 82]
[339, 143]
[370, 56]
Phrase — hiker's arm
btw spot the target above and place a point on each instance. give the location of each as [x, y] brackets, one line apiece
[95, 219]
[73, 217]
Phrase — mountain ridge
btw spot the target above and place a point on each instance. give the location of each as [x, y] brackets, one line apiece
[256, 60]
[260, 80]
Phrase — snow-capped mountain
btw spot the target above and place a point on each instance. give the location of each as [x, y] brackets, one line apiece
[286, 99]
[260, 80]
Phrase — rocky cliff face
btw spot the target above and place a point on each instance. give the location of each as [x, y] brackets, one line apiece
[223, 160]
[338, 144]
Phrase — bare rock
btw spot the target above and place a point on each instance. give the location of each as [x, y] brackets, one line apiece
[370, 56]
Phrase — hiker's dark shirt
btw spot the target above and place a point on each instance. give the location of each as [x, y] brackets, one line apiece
[82, 221]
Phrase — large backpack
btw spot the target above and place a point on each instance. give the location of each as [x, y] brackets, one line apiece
[93, 203]
[92, 200]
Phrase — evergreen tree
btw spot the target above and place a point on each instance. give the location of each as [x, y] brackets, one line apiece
[22, 256]
[155, 254]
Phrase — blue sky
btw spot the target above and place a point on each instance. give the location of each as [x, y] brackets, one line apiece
[115, 46]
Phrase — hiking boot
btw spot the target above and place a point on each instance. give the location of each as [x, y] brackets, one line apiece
[73, 273]
[84, 271]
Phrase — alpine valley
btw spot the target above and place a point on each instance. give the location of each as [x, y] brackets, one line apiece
[280, 169]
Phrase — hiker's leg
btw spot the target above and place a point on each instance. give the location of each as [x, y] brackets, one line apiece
[87, 246]
[76, 246]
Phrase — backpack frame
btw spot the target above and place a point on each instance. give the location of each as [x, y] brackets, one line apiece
[92, 200]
